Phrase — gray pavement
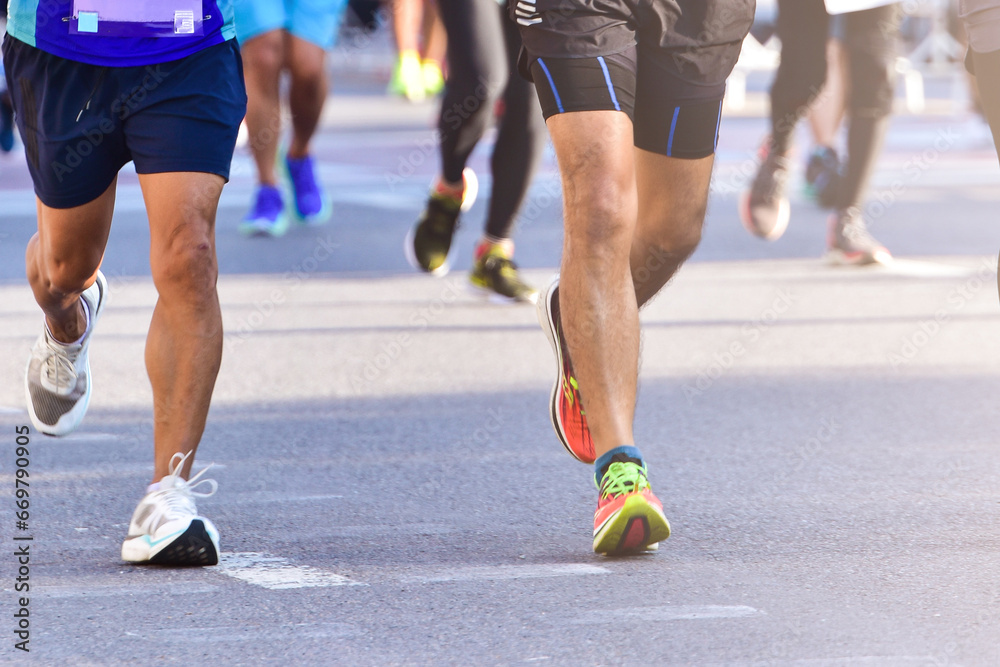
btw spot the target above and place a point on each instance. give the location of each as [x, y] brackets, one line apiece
[390, 490]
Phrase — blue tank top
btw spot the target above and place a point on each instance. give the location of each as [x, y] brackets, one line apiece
[136, 37]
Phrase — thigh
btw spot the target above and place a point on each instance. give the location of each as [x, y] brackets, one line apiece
[188, 121]
[76, 237]
[68, 115]
[684, 59]
[256, 17]
[476, 50]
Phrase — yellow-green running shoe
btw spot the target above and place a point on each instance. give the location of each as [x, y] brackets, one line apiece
[428, 243]
[496, 276]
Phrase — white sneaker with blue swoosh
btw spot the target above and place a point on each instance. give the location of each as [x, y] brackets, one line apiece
[166, 528]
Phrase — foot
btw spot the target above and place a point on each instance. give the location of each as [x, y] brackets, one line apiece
[408, 78]
[57, 381]
[850, 242]
[428, 243]
[565, 403]
[312, 207]
[629, 517]
[495, 274]
[166, 528]
[433, 78]
[823, 176]
[764, 209]
[267, 217]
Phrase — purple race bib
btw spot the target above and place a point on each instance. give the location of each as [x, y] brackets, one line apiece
[137, 18]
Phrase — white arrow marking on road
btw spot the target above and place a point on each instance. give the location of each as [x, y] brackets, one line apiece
[276, 573]
[678, 613]
[510, 572]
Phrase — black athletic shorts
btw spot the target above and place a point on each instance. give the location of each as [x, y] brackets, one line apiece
[663, 62]
[82, 123]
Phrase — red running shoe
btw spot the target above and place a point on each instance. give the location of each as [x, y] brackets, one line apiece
[568, 417]
[629, 518]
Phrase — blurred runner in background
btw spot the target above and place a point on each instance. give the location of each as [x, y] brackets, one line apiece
[482, 56]
[285, 36]
[870, 43]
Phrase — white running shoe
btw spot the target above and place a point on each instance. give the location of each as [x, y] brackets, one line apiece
[57, 380]
[166, 528]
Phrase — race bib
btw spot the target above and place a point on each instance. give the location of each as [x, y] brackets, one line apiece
[137, 18]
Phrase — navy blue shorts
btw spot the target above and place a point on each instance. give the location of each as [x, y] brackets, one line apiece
[82, 123]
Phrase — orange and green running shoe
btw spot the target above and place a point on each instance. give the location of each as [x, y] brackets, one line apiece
[566, 407]
[629, 518]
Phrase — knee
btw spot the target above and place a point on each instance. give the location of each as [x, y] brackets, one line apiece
[603, 217]
[264, 55]
[64, 275]
[186, 264]
[60, 271]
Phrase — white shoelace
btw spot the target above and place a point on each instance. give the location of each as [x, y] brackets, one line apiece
[177, 501]
[59, 365]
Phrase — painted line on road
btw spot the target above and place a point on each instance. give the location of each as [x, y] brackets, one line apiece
[668, 613]
[8, 410]
[275, 573]
[920, 269]
[506, 572]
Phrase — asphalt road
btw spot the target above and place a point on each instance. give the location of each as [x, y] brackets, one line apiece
[390, 490]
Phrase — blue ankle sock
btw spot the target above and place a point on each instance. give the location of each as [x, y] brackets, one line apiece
[605, 460]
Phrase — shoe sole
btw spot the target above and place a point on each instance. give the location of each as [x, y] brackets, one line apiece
[544, 314]
[784, 214]
[192, 548]
[256, 229]
[500, 299]
[840, 258]
[70, 420]
[635, 528]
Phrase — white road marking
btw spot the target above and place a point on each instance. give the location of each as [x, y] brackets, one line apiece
[8, 410]
[250, 633]
[669, 613]
[501, 572]
[276, 573]
[921, 269]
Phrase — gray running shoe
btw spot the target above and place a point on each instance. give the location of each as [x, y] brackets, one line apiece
[850, 242]
[166, 528]
[764, 208]
[57, 381]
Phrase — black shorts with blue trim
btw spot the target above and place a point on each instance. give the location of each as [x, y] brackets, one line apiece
[662, 62]
[82, 123]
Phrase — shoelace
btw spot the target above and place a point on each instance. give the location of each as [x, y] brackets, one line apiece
[622, 478]
[178, 499]
[59, 364]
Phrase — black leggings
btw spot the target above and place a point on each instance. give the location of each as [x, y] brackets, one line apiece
[870, 42]
[482, 68]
